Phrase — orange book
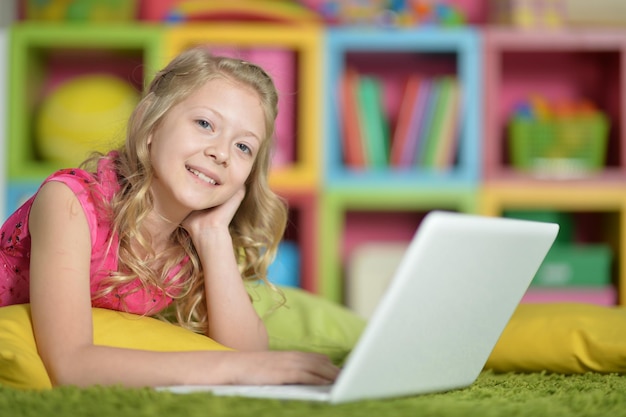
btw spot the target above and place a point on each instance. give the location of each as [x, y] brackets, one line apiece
[352, 140]
[403, 131]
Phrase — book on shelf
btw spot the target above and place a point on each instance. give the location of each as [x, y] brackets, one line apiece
[405, 130]
[353, 150]
[373, 122]
[418, 123]
[440, 138]
[426, 131]
[430, 115]
[448, 140]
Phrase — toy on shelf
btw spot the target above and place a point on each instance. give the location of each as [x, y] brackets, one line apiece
[83, 114]
[527, 14]
[80, 10]
[389, 13]
[558, 139]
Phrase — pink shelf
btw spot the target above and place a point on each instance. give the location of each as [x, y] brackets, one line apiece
[558, 65]
[372, 226]
[280, 63]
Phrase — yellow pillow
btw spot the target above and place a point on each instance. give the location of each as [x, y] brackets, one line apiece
[21, 366]
[568, 338]
[306, 322]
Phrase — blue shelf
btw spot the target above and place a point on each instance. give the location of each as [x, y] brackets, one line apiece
[17, 192]
[462, 45]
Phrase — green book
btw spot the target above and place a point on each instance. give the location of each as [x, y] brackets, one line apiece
[373, 122]
[434, 134]
[449, 134]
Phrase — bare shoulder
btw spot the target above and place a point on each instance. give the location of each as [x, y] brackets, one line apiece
[56, 206]
[53, 192]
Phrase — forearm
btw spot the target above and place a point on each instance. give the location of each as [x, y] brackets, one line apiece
[102, 365]
[232, 319]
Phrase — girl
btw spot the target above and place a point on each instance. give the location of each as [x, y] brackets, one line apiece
[178, 215]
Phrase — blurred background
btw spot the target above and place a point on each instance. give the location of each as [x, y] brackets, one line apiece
[388, 109]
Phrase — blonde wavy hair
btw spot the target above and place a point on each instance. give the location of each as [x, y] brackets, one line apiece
[257, 226]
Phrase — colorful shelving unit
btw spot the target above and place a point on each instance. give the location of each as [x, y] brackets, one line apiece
[604, 205]
[387, 204]
[560, 65]
[361, 216]
[41, 55]
[334, 207]
[393, 55]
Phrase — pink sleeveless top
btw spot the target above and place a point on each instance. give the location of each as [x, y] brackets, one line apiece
[92, 190]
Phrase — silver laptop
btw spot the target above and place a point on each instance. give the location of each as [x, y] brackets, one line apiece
[433, 330]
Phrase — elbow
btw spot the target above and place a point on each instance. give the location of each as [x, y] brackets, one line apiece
[66, 370]
[61, 376]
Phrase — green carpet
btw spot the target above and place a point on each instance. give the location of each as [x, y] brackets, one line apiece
[508, 395]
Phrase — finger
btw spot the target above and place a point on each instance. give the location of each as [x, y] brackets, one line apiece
[321, 368]
[328, 372]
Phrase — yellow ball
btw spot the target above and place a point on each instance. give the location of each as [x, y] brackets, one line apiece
[85, 114]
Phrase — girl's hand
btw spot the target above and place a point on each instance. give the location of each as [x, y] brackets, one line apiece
[214, 217]
[274, 368]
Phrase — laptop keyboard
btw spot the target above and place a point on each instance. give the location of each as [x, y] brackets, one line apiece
[296, 392]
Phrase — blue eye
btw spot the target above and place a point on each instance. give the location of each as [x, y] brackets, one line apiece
[245, 148]
[204, 124]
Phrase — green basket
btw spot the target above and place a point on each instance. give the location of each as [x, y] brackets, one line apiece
[563, 147]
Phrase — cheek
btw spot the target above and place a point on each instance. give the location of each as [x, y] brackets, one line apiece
[248, 174]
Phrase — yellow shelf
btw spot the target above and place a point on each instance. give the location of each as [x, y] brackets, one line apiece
[495, 199]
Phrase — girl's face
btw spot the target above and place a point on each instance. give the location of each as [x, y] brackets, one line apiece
[205, 147]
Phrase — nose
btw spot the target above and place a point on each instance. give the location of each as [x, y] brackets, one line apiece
[219, 152]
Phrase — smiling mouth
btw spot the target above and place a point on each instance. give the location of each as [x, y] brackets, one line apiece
[203, 177]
